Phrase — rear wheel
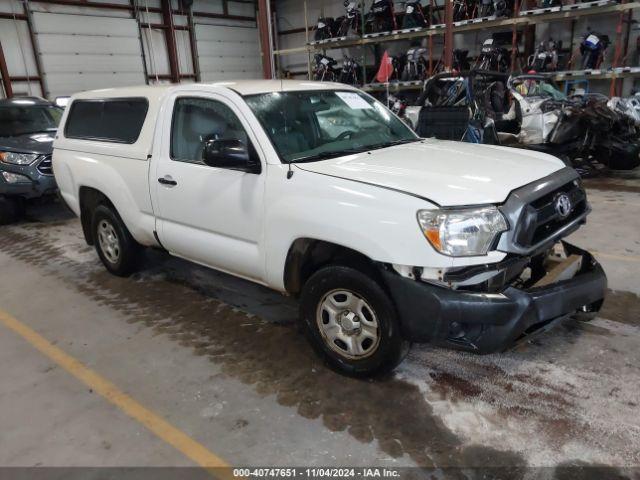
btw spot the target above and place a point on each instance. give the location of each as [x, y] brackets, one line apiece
[351, 322]
[117, 249]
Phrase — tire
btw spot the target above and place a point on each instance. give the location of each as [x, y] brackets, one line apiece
[11, 210]
[376, 317]
[118, 251]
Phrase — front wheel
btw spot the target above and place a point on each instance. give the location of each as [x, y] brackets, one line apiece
[352, 322]
[117, 249]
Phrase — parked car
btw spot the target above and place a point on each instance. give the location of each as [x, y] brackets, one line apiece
[27, 130]
[318, 190]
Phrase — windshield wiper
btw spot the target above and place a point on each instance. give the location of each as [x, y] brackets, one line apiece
[328, 155]
[378, 146]
[351, 151]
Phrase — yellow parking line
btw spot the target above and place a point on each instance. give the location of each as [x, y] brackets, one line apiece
[156, 424]
[624, 258]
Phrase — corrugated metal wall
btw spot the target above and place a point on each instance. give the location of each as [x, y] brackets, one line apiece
[80, 51]
[228, 52]
[83, 48]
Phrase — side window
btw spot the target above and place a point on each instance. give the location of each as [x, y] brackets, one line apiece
[198, 120]
[110, 120]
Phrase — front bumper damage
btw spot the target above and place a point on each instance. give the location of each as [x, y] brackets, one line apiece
[490, 321]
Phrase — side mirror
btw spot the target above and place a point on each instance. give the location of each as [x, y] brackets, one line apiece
[231, 154]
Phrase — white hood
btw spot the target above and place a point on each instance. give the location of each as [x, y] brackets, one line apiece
[448, 173]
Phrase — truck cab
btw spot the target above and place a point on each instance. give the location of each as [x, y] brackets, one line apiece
[317, 190]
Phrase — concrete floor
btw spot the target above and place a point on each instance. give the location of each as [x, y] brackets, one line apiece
[221, 360]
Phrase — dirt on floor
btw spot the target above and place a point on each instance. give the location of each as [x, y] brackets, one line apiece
[567, 398]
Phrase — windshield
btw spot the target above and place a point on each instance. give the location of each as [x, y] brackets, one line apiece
[316, 125]
[20, 120]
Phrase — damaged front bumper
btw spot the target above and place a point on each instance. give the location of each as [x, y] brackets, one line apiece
[485, 322]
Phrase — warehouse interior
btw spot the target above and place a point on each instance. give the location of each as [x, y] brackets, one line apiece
[191, 366]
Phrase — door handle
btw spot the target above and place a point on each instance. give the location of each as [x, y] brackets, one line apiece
[167, 180]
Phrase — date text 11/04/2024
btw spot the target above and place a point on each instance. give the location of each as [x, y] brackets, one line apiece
[366, 472]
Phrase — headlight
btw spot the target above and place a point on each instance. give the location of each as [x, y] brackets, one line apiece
[18, 158]
[462, 233]
[15, 178]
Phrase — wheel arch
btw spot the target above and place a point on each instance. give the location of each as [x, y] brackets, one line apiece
[89, 198]
[307, 255]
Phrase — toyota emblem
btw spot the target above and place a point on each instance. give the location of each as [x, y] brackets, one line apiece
[563, 205]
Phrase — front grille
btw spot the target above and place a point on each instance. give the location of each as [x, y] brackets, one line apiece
[45, 167]
[540, 220]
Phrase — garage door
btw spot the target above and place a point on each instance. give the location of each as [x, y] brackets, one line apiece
[84, 52]
[228, 53]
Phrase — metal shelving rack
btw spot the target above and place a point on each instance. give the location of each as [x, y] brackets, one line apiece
[522, 18]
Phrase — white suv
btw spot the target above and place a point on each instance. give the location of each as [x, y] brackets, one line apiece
[317, 190]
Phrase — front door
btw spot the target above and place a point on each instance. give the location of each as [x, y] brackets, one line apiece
[213, 216]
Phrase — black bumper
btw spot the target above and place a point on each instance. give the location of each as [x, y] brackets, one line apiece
[484, 322]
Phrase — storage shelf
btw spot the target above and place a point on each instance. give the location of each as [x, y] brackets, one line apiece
[528, 17]
[600, 74]
[393, 86]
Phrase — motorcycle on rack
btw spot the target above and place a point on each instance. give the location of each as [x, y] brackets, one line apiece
[417, 65]
[414, 15]
[398, 105]
[324, 70]
[492, 57]
[381, 17]
[544, 58]
[324, 29]
[593, 49]
[460, 10]
[351, 22]
[498, 8]
[350, 73]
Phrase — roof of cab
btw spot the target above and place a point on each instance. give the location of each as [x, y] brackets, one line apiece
[23, 101]
[242, 87]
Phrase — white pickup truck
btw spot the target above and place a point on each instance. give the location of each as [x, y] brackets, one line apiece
[317, 190]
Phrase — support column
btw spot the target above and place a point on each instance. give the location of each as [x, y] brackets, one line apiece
[514, 37]
[170, 37]
[4, 72]
[448, 35]
[617, 56]
[264, 22]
